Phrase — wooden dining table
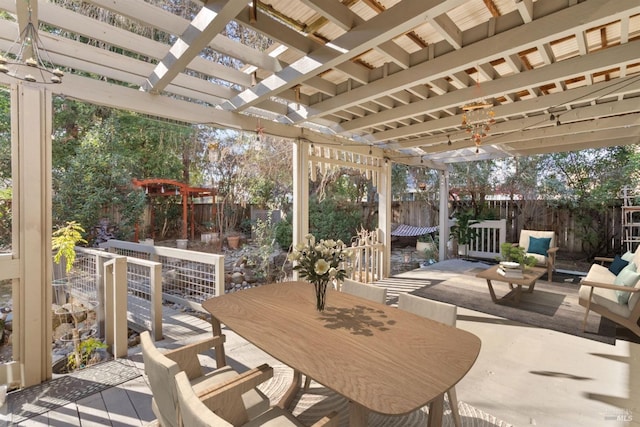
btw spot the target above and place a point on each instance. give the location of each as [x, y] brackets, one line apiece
[380, 358]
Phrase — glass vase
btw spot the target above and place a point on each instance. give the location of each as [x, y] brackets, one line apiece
[321, 293]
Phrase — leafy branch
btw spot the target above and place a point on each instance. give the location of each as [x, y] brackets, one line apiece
[64, 241]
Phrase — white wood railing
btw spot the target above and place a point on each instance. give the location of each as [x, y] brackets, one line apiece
[368, 255]
[489, 236]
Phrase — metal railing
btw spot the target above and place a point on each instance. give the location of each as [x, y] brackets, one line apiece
[188, 277]
[96, 279]
[130, 281]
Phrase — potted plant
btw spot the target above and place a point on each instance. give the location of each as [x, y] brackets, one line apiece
[233, 239]
[424, 242]
[513, 253]
[462, 232]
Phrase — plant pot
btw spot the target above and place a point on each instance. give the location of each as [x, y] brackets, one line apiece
[233, 241]
[421, 246]
[425, 248]
[463, 250]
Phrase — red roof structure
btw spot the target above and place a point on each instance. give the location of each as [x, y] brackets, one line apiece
[160, 187]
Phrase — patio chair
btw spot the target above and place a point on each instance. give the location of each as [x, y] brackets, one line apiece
[612, 296]
[440, 312]
[223, 407]
[161, 369]
[364, 290]
[542, 246]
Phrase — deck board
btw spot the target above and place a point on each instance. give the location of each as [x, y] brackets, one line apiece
[91, 411]
[140, 396]
[119, 407]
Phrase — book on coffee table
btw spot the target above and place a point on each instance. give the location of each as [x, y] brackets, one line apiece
[510, 273]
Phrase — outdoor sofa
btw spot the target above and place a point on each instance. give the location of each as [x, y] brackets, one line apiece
[613, 290]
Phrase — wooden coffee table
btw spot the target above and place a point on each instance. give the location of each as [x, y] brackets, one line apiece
[515, 285]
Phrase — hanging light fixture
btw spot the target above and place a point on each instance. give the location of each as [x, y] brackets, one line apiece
[478, 117]
[27, 60]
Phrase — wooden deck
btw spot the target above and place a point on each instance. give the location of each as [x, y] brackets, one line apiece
[127, 404]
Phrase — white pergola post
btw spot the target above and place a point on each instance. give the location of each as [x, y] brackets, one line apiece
[300, 194]
[443, 215]
[384, 215]
[31, 127]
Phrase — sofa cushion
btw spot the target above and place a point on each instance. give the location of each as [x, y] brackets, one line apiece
[606, 298]
[539, 245]
[636, 257]
[617, 265]
[635, 297]
[628, 256]
[601, 274]
[628, 276]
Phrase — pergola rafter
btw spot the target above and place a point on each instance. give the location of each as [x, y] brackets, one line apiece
[354, 68]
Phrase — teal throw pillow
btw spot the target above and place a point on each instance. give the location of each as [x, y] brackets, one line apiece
[628, 256]
[539, 245]
[628, 277]
[617, 265]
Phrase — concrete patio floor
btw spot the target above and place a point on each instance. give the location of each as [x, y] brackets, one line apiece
[532, 376]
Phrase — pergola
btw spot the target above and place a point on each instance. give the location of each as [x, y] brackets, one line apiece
[159, 187]
[360, 83]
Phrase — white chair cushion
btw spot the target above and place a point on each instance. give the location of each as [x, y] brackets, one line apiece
[628, 277]
[436, 310]
[634, 298]
[540, 259]
[636, 257]
[601, 274]
[525, 234]
[254, 400]
[606, 298]
[192, 410]
[275, 417]
[364, 290]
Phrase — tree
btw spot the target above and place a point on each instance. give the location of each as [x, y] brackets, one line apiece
[93, 186]
[6, 192]
[96, 154]
[227, 149]
[589, 182]
[471, 182]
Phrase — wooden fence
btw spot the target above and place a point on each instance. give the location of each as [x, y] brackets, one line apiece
[520, 214]
[532, 215]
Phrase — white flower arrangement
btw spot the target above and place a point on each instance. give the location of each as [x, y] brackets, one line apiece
[320, 261]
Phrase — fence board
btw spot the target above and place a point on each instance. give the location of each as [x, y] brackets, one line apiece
[525, 214]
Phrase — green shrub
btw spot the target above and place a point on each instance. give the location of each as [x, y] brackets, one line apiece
[284, 233]
[332, 220]
[82, 356]
[327, 220]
